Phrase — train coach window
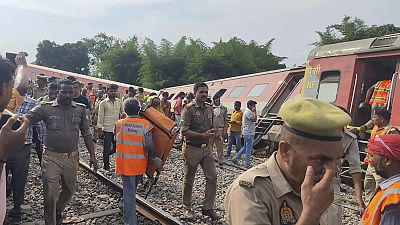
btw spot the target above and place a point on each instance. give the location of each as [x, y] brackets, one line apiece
[328, 86]
[236, 92]
[257, 90]
[220, 92]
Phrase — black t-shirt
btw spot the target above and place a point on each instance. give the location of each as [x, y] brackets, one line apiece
[83, 100]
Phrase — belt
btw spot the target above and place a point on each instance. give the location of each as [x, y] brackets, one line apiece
[197, 145]
[63, 155]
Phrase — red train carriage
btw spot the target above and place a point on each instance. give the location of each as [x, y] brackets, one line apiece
[34, 70]
[270, 89]
[342, 73]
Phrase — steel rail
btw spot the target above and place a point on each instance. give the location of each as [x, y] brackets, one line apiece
[143, 206]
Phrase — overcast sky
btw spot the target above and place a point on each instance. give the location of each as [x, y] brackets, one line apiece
[24, 23]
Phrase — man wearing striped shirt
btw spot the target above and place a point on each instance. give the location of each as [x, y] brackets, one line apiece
[18, 162]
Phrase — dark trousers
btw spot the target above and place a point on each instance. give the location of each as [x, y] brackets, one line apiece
[38, 148]
[108, 141]
[18, 165]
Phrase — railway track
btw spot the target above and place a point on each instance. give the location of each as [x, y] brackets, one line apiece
[144, 207]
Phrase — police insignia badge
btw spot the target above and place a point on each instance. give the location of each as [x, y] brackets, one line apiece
[286, 214]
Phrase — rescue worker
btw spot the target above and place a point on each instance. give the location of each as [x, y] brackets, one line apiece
[64, 119]
[155, 102]
[10, 139]
[384, 208]
[18, 162]
[351, 154]
[110, 111]
[133, 135]
[294, 186]
[235, 128]
[197, 129]
[381, 119]
[377, 96]
[40, 90]
[220, 123]
[248, 131]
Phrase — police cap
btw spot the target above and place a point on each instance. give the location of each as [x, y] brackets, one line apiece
[314, 119]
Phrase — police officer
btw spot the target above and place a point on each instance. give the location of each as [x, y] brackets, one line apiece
[294, 186]
[197, 121]
[40, 90]
[64, 119]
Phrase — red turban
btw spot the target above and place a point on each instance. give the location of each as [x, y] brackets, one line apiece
[387, 145]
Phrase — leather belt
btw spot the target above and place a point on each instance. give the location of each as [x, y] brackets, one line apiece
[62, 155]
[196, 145]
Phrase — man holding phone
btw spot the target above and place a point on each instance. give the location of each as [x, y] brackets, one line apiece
[197, 128]
[248, 131]
[10, 139]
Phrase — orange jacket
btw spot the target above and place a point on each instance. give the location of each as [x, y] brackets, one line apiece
[131, 159]
[381, 92]
[387, 195]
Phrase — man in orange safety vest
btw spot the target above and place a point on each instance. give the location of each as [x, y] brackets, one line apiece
[134, 144]
[384, 208]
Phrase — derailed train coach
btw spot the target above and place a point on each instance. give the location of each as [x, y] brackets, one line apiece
[34, 70]
[342, 73]
[269, 89]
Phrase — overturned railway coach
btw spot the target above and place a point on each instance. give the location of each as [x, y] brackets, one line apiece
[269, 89]
[342, 73]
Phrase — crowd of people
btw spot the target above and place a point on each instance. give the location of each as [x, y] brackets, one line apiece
[298, 184]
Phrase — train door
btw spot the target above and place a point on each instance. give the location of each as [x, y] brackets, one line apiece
[372, 71]
[285, 92]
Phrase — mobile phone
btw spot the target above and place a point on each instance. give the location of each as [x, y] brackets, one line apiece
[4, 118]
[11, 56]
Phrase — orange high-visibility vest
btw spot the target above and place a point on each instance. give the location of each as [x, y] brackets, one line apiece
[381, 92]
[389, 195]
[131, 158]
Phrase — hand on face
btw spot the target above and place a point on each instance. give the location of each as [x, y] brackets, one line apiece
[12, 140]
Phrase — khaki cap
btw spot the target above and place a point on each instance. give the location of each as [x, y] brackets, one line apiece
[314, 119]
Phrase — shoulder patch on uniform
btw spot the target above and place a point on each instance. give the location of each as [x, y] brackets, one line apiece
[286, 214]
[245, 183]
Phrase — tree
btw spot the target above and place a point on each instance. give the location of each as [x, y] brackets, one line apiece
[72, 57]
[352, 29]
[121, 62]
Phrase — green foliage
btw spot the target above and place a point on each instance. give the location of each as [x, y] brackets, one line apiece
[161, 65]
[121, 62]
[71, 57]
[353, 29]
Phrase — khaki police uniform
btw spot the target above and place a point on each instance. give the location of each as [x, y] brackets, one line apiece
[262, 195]
[220, 123]
[197, 151]
[60, 158]
[352, 155]
[38, 92]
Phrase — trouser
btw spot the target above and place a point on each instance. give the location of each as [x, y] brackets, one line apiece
[219, 144]
[54, 170]
[18, 165]
[38, 144]
[248, 143]
[371, 182]
[333, 215]
[129, 184]
[108, 139]
[234, 136]
[193, 158]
